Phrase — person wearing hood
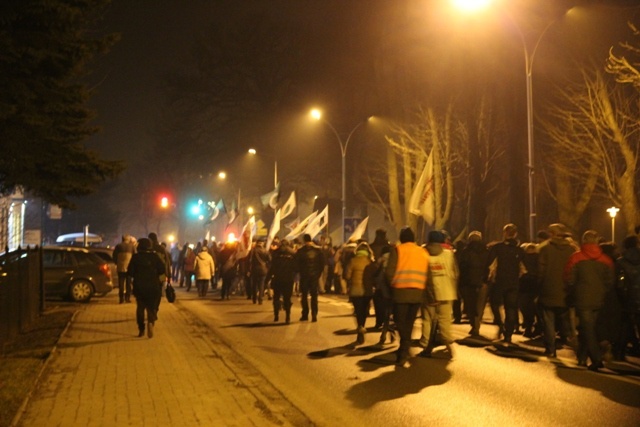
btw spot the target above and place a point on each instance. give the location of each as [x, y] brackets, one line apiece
[442, 290]
[553, 255]
[146, 270]
[628, 289]
[472, 262]
[589, 275]
[359, 276]
[204, 269]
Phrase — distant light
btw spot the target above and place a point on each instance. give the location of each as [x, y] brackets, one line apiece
[613, 211]
[250, 210]
[201, 217]
[171, 238]
[252, 151]
[164, 202]
[471, 5]
[222, 174]
[231, 238]
[316, 114]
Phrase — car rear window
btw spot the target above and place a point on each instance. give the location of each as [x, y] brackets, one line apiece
[56, 259]
[83, 258]
[105, 256]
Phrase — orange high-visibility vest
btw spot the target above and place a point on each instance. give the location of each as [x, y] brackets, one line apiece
[412, 266]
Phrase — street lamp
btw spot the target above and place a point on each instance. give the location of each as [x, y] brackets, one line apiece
[316, 114]
[613, 211]
[529, 56]
[253, 152]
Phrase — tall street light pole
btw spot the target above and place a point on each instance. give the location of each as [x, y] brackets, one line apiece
[529, 56]
[317, 115]
[253, 152]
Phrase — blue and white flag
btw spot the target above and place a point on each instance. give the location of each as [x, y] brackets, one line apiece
[271, 198]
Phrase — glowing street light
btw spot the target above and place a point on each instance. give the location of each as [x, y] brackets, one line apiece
[253, 152]
[529, 56]
[613, 211]
[316, 114]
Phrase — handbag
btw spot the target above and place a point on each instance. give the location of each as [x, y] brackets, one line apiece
[170, 293]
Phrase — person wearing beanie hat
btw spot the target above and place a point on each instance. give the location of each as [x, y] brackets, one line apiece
[406, 271]
[442, 290]
[145, 269]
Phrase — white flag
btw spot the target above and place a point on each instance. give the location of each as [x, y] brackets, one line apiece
[244, 242]
[359, 231]
[275, 227]
[301, 227]
[318, 223]
[422, 200]
[289, 206]
[271, 198]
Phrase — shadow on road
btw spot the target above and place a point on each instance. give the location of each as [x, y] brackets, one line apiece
[398, 383]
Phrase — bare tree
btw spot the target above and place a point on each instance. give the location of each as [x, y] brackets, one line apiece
[593, 146]
[626, 68]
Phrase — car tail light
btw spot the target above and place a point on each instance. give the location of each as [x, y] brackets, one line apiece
[104, 268]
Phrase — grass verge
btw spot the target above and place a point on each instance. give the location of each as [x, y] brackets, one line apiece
[21, 360]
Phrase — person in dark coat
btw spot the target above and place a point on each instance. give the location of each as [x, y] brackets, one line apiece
[504, 268]
[281, 274]
[310, 264]
[146, 270]
[259, 260]
[379, 245]
[553, 255]
[628, 290]
[472, 261]
[589, 275]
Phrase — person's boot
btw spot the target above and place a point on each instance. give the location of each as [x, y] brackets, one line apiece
[276, 317]
[360, 336]
[150, 329]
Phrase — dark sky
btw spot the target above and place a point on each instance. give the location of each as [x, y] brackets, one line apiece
[158, 35]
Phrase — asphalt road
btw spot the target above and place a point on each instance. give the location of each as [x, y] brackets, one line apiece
[319, 369]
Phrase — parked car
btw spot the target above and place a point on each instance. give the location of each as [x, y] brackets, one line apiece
[75, 273]
[107, 255]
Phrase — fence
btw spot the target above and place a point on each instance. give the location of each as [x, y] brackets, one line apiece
[20, 292]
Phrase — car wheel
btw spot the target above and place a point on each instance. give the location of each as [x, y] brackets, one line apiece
[81, 291]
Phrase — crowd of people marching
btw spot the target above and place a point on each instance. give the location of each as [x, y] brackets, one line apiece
[584, 295]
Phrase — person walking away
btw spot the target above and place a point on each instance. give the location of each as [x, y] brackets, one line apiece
[146, 270]
[383, 288]
[281, 273]
[122, 254]
[204, 268]
[628, 289]
[359, 275]
[380, 243]
[175, 260]
[473, 287]
[528, 291]
[259, 266]
[183, 253]
[504, 268]
[189, 267]
[229, 268]
[553, 255]
[442, 291]
[407, 272]
[310, 264]
[163, 254]
[589, 275]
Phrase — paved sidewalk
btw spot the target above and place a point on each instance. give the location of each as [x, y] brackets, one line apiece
[103, 375]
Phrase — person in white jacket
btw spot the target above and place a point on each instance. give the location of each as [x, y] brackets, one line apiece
[204, 269]
[442, 290]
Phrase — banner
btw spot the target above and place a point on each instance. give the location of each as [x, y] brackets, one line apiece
[289, 206]
[422, 202]
[301, 227]
[275, 227]
[245, 239]
[359, 231]
[318, 223]
[271, 198]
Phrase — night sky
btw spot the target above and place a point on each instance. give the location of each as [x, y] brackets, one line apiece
[360, 57]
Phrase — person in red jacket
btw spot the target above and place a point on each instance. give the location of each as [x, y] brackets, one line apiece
[589, 274]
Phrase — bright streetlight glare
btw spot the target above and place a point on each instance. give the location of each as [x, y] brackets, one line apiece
[471, 5]
[222, 175]
[164, 202]
[316, 114]
[250, 210]
[251, 151]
